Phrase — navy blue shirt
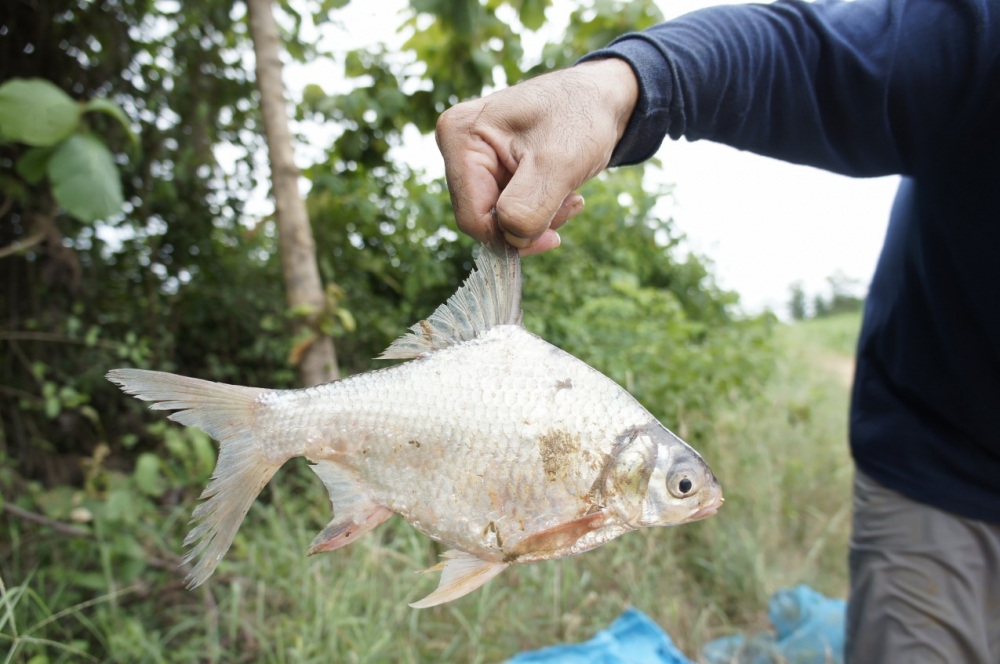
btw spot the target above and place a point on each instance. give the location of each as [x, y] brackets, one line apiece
[867, 88]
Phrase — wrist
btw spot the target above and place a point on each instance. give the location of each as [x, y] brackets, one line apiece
[619, 88]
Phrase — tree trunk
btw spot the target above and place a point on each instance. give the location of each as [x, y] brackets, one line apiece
[318, 364]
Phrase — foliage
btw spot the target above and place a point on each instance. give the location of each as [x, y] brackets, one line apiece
[593, 26]
[836, 333]
[98, 492]
[80, 169]
[843, 298]
[618, 295]
[797, 301]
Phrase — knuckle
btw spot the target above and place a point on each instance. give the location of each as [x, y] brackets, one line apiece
[454, 120]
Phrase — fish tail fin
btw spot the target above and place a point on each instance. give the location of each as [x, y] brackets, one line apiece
[227, 413]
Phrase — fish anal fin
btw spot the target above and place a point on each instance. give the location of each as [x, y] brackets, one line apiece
[490, 296]
[346, 528]
[558, 539]
[462, 573]
[354, 512]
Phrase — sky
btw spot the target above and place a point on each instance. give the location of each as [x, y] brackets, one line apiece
[764, 224]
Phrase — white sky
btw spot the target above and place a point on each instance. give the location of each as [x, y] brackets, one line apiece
[763, 222]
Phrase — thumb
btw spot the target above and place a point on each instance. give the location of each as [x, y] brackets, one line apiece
[533, 197]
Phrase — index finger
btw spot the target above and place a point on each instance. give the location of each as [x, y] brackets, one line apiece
[474, 192]
[474, 171]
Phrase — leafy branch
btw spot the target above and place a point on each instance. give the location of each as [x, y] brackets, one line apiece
[80, 168]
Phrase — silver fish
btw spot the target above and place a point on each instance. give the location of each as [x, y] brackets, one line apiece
[490, 440]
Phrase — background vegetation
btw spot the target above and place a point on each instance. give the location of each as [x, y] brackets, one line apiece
[96, 491]
[842, 298]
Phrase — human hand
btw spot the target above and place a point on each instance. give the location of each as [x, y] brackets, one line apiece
[523, 150]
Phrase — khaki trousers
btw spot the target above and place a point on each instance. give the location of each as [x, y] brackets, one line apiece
[925, 584]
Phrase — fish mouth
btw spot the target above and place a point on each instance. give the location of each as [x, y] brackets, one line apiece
[707, 510]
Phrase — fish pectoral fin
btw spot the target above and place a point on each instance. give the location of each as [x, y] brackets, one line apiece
[346, 528]
[354, 512]
[463, 573]
[559, 539]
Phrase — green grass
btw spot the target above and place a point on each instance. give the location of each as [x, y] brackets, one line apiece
[835, 334]
[782, 459]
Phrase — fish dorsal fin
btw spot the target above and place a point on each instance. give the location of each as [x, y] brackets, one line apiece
[490, 296]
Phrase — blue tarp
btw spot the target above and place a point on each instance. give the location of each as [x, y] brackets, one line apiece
[631, 639]
[808, 629]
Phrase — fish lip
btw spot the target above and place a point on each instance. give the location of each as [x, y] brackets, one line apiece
[703, 513]
[707, 511]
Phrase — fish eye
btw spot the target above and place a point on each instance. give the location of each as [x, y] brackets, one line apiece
[683, 483]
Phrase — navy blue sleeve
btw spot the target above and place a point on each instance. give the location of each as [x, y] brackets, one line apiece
[863, 88]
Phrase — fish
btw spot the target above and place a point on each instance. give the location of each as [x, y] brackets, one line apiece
[488, 439]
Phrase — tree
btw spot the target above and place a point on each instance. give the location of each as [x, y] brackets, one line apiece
[843, 298]
[843, 294]
[315, 357]
[797, 301]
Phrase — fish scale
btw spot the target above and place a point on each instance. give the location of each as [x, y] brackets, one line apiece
[489, 440]
[466, 406]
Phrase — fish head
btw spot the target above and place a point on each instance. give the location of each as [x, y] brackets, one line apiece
[657, 479]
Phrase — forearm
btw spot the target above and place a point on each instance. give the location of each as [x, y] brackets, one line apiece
[855, 87]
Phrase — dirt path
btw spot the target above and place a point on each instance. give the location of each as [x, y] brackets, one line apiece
[842, 366]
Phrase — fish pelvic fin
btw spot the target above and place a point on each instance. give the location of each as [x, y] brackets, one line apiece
[490, 296]
[227, 413]
[462, 573]
[354, 513]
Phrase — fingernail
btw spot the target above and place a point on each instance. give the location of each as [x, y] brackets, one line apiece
[515, 241]
[547, 242]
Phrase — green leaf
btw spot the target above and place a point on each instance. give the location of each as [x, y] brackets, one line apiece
[204, 451]
[313, 94]
[122, 505]
[109, 107]
[56, 503]
[85, 179]
[326, 9]
[91, 414]
[347, 319]
[92, 334]
[90, 580]
[532, 13]
[303, 311]
[52, 408]
[354, 66]
[147, 475]
[35, 112]
[32, 164]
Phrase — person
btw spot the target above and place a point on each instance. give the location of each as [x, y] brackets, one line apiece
[862, 88]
